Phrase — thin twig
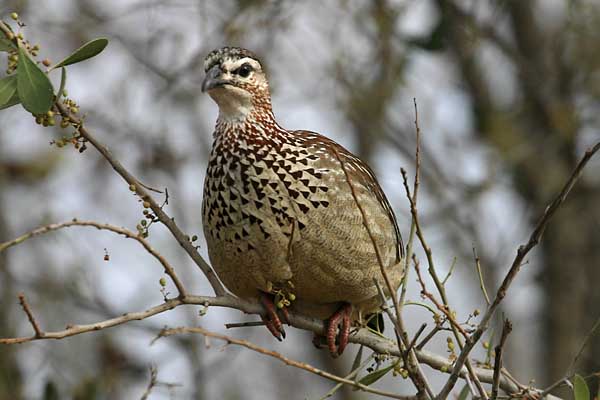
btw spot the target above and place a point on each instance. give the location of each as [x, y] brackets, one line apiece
[23, 301]
[411, 364]
[351, 375]
[408, 356]
[430, 335]
[506, 329]
[416, 337]
[480, 274]
[151, 384]
[288, 361]
[244, 324]
[411, 235]
[522, 251]
[443, 308]
[438, 284]
[449, 274]
[154, 382]
[560, 382]
[169, 222]
[590, 334]
[376, 343]
[571, 369]
[107, 227]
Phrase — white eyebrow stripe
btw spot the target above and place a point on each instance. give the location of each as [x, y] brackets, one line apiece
[233, 65]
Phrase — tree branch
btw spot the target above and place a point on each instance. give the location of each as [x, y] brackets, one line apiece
[23, 301]
[364, 337]
[288, 361]
[506, 329]
[169, 222]
[523, 250]
[107, 227]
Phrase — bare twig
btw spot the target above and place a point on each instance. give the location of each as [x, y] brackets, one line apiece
[107, 227]
[450, 270]
[364, 337]
[244, 324]
[416, 337]
[410, 360]
[506, 329]
[406, 349]
[288, 361]
[351, 375]
[560, 382]
[480, 274]
[151, 384]
[571, 369]
[23, 301]
[590, 334]
[154, 382]
[438, 284]
[430, 335]
[441, 307]
[523, 250]
[411, 235]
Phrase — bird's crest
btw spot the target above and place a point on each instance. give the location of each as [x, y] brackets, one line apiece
[233, 53]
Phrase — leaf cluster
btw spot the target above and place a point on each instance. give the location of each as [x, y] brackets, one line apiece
[30, 85]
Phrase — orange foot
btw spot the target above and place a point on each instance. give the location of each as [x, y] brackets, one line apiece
[271, 317]
[340, 318]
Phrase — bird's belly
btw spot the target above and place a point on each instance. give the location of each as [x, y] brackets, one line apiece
[258, 268]
[334, 260]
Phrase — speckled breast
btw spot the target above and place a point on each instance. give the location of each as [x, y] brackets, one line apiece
[278, 209]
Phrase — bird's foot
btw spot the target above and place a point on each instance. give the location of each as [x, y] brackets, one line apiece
[340, 318]
[272, 318]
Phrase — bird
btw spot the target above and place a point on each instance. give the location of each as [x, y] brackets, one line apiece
[292, 218]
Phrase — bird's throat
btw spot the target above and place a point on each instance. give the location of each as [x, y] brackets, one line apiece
[235, 105]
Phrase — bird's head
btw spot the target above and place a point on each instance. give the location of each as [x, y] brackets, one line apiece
[236, 82]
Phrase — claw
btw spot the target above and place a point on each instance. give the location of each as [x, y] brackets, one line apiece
[279, 335]
[317, 342]
[344, 335]
[340, 317]
[285, 315]
[271, 318]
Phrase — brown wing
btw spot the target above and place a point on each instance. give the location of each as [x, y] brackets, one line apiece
[366, 177]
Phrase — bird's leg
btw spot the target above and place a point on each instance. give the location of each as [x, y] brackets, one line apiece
[340, 317]
[271, 318]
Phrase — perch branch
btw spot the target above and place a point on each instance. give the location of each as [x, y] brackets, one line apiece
[364, 337]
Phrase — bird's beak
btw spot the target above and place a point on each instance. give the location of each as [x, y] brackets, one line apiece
[213, 78]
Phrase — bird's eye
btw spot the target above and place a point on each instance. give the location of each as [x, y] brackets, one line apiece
[244, 70]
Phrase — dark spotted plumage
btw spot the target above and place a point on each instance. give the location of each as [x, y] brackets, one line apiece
[278, 211]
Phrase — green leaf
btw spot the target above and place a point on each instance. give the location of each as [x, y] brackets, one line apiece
[377, 375]
[33, 86]
[357, 359]
[6, 45]
[464, 392]
[8, 87]
[88, 50]
[63, 82]
[14, 100]
[580, 388]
